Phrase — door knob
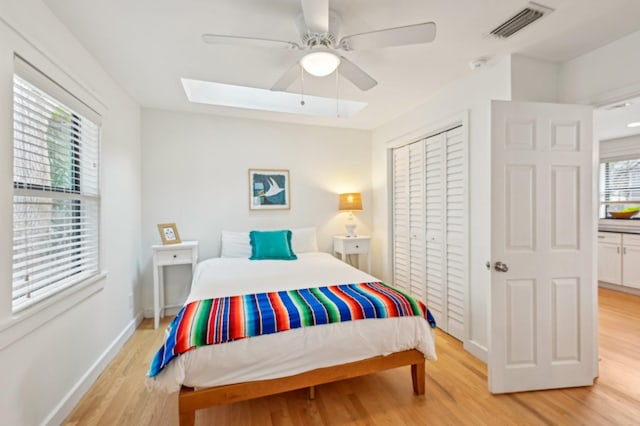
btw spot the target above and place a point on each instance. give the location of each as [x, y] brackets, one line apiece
[501, 267]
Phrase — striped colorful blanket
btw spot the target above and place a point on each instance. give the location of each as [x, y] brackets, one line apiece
[224, 319]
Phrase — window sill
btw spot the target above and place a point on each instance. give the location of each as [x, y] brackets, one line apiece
[24, 322]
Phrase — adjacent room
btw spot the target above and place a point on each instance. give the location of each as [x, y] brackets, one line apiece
[320, 212]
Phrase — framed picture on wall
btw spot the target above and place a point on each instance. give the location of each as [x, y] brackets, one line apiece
[269, 189]
[169, 233]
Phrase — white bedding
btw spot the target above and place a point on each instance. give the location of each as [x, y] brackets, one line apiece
[293, 351]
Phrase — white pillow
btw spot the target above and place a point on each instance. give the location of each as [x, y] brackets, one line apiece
[303, 240]
[235, 244]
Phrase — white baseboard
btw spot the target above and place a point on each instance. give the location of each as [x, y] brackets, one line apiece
[622, 288]
[477, 350]
[169, 312]
[71, 399]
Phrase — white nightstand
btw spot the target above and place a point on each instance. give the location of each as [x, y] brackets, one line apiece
[165, 255]
[352, 245]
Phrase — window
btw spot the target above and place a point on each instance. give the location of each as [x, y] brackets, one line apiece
[619, 186]
[56, 197]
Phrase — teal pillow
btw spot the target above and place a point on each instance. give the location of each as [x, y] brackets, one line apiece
[271, 245]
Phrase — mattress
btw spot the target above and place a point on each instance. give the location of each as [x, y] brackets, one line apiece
[294, 351]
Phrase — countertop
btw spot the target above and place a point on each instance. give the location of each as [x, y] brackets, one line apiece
[620, 231]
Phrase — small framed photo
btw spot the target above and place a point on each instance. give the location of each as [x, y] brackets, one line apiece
[169, 233]
[269, 189]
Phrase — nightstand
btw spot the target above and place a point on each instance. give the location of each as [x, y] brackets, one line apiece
[343, 246]
[165, 255]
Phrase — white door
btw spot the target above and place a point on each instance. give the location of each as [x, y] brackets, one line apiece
[456, 236]
[434, 224]
[430, 225]
[446, 226]
[543, 313]
[416, 221]
[401, 223]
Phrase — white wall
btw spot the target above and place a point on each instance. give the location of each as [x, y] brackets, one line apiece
[46, 371]
[534, 80]
[604, 75]
[195, 173]
[609, 73]
[473, 96]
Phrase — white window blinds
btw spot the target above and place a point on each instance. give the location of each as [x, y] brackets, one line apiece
[56, 193]
[620, 181]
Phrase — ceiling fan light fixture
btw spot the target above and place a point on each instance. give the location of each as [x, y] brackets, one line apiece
[320, 63]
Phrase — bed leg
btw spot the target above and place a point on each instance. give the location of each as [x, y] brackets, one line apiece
[417, 377]
[187, 419]
[312, 392]
[187, 416]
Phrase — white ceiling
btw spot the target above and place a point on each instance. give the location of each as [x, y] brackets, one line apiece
[612, 119]
[148, 45]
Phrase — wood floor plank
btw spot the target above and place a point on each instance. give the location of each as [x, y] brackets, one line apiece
[456, 389]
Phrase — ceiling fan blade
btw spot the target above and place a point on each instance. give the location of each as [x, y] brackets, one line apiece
[287, 78]
[316, 15]
[355, 74]
[248, 41]
[410, 34]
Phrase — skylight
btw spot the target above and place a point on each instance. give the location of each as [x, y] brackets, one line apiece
[207, 92]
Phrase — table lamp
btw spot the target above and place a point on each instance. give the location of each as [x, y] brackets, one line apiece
[349, 203]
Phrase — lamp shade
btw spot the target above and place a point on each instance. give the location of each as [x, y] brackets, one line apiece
[350, 202]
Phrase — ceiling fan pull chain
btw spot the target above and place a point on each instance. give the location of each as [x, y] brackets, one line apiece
[337, 94]
[301, 86]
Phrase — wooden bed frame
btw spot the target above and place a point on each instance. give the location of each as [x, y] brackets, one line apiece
[191, 400]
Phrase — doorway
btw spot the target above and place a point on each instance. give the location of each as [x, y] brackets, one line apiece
[617, 129]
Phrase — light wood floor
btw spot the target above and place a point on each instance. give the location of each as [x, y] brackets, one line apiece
[456, 390]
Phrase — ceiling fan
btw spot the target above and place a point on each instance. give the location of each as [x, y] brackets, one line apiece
[318, 54]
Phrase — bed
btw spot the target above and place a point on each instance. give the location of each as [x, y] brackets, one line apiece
[293, 359]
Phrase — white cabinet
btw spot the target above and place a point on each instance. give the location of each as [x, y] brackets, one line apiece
[610, 257]
[631, 260]
[619, 258]
[430, 236]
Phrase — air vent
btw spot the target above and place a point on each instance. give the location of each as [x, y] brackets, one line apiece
[526, 16]
[618, 106]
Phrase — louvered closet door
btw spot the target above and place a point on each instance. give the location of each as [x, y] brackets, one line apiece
[429, 225]
[417, 251]
[446, 231]
[401, 246]
[435, 256]
[456, 233]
